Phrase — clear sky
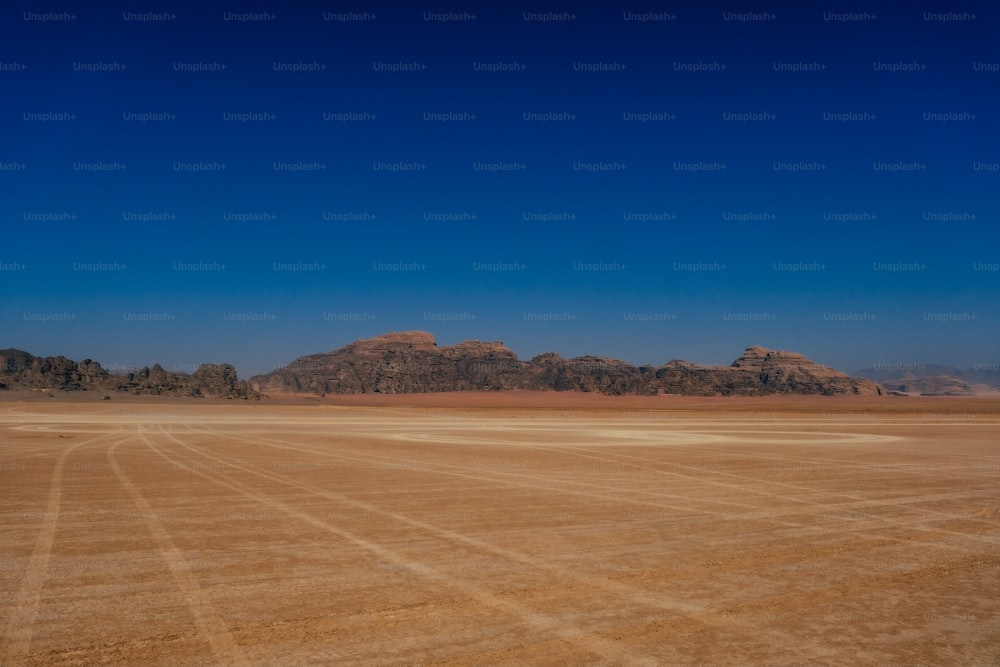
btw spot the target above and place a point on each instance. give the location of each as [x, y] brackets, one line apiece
[249, 182]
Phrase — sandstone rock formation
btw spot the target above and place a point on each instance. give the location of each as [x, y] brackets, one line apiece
[21, 370]
[398, 363]
[411, 362]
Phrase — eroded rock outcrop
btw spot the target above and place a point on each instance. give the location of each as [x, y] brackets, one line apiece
[412, 362]
[21, 370]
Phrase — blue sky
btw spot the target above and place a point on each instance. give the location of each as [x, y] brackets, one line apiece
[547, 205]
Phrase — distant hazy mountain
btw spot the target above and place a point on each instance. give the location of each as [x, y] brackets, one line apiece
[933, 379]
[412, 362]
[21, 370]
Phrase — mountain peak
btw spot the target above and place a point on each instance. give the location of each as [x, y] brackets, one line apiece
[756, 356]
[421, 339]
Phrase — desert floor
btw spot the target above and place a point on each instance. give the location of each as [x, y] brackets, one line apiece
[515, 529]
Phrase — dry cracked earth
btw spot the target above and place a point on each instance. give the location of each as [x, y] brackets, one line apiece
[708, 531]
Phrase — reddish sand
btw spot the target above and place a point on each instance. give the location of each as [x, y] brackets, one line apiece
[499, 528]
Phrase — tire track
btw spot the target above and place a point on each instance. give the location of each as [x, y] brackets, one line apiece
[510, 554]
[575, 451]
[605, 648]
[509, 478]
[722, 438]
[857, 502]
[692, 612]
[436, 468]
[701, 615]
[210, 625]
[840, 464]
[24, 610]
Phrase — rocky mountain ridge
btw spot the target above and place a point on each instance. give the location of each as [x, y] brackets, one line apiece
[412, 362]
[21, 370]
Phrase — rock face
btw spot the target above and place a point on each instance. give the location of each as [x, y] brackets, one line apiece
[790, 372]
[412, 362]
[20, 370]
[397, 363]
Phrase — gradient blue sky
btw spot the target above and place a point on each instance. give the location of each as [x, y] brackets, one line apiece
[96, 282]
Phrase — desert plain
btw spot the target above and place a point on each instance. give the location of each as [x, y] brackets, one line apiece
[520, 528]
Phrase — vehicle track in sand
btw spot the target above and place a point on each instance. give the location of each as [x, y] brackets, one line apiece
[709, 617]
[599, 646]
[23, 611]
[210, 625]
[621, 495]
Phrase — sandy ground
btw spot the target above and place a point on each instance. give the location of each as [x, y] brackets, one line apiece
[517, 530]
